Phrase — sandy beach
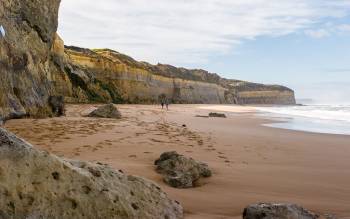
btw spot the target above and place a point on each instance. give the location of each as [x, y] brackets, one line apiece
[251, 163]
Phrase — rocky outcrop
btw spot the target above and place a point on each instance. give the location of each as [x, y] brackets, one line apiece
[25, 56]
[277, 211]
[106, 111]
[252, 93]
[35, 184]
[107, 75]
[57, 105]
[179, 171]
[34, 65]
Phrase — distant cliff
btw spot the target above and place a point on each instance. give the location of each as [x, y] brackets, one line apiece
[121, 79]
[34, 65]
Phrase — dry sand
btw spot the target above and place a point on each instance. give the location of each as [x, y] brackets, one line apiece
[251, 163]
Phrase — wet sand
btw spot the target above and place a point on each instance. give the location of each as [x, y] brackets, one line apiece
[251, 163]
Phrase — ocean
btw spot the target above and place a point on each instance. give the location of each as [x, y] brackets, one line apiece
[329, 119]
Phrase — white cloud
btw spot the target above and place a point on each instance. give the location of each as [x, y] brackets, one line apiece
[320, 33]
[344, 28]
[180, 31]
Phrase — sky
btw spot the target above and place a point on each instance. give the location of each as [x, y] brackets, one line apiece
[303, 44]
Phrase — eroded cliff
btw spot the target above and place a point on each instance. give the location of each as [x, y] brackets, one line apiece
[25, 57]
[34, 65]
[119, 78]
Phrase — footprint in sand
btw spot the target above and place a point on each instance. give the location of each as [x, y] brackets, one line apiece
[155, 140]
[132, 156]
[200, 142]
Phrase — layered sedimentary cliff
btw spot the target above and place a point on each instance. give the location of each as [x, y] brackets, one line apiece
[125, 80]
[34, 65]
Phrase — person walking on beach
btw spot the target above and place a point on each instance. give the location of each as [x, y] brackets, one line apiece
[162, 103]
[167, 104]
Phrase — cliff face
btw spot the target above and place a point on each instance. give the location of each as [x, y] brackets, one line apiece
[34, 65]
[252, 93]
[125, 80]
[25, 56]
[106, 75]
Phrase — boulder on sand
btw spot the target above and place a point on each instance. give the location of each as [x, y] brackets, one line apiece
[57, 105]
[106, 111]
[218, 115]
[277, 211]
[35, 184]
[179, 171]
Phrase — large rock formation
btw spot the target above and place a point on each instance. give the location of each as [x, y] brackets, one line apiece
[107, 75]
[179, 171]
[35, 184]
[106, 111]
[277, 211]
[34, 65]
[25, 57]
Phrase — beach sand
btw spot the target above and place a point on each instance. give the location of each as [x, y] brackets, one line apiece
[251, 163]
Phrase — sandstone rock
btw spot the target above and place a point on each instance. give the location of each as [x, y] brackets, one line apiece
[277, 211]
[179, 171]
[25, 83]
[35, 184]
[57, 105]
[218, 115]
[127, 80]
[106, 111]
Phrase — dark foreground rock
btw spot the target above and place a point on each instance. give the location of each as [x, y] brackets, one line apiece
[106, 111]
[277, 211]
[57, 105]
[179, 171]
[218, 115]
[35, 184]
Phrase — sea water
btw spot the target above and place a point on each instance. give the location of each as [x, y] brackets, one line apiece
[330, 119]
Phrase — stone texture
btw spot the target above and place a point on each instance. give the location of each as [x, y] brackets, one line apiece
[277, 211]
[25, 56]
[179, 171]
[106, 111]
[35, 184]
[125, 80]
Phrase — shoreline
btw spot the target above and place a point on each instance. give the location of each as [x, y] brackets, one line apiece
[251, 163]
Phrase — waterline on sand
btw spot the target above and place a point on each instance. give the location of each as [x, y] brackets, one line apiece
[326, 119]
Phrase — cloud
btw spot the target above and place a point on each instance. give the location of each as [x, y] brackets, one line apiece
[320, 33]
[344, 28]
[182, 31]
